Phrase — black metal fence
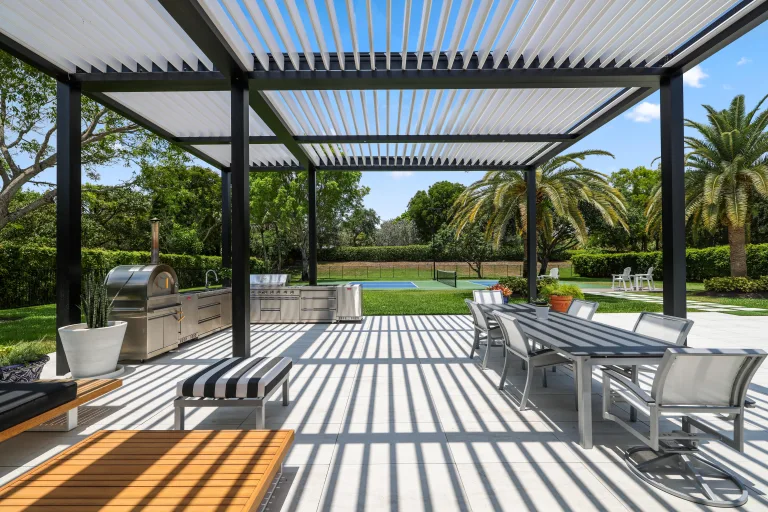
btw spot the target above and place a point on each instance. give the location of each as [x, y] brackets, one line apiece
[21, 288]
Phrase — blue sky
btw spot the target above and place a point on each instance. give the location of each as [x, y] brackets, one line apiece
[741, 68]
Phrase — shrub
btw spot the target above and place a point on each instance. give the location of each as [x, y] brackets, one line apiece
[23, 353]
[405, 253]
[519, 285]
[561, 290]
[701, 264]
[736, 284]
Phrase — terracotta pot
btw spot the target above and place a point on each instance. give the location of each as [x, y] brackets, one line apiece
[560, 303]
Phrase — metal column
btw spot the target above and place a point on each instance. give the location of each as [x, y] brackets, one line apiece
[673, 195]
[530, 179]
[312, 222]
[68, 213]
[239, 169]
[226, 221]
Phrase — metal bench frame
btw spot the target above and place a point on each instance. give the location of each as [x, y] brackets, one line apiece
[181, 402]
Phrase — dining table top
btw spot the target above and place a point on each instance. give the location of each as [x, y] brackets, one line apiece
[579, 337]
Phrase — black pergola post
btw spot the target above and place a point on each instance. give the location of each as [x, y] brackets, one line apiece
[530, 220]
[226, 220]
[673, 195]
[239, 169]
[312, 222]
[68, 213]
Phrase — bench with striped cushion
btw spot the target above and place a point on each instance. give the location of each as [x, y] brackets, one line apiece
[237, 381]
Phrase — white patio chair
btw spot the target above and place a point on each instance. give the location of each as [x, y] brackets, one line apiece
[623, 279]
[517, 344]
[647, 277]
[484, 332]
[554, 273]
[688, 381]
[582, 309]
[488, 296]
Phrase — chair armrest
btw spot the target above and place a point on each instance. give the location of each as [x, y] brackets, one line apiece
[749, 403]
[628, 385]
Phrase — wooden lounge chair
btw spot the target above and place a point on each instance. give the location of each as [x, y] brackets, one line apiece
[87, 390]
[234, 470]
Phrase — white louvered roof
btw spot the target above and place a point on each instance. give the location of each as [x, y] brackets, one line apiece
[460, 38]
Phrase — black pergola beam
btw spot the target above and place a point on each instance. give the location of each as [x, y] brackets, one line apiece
[24, 54]
[277, 124]
[152, 81]
[598, 122]
[312, 223]
[673, 195]
[226, 222]
[530, 220]
[389, 139]
[68, 213]
[415, 164]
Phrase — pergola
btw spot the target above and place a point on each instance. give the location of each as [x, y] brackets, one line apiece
[445, 85]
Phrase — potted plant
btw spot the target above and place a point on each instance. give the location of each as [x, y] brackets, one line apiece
[93, 347]
[23, 361]
[505, 292]
[541, 305]
[561, 296]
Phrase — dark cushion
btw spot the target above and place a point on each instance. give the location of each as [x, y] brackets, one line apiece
[20, 401]
[236, 377]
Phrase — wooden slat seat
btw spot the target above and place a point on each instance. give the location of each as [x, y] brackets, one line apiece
[87, 390]
[155, 471]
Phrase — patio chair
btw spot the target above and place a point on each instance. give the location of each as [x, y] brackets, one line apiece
[517, 344]
[624, 279]
[484, 331]
[671, 329]
[688, 381]
[582, 309]
[647, 277]
[554, 273]
[488, 296]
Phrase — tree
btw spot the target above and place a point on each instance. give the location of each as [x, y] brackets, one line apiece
[470, 246]
[360, 226]
[499, 200]
[431, 210]
[727, 169]
[338, 195]
[397, 231]
[28, 127]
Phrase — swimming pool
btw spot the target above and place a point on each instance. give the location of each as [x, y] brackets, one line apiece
[385, 285]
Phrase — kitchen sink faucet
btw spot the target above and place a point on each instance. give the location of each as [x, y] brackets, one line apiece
[215, 276]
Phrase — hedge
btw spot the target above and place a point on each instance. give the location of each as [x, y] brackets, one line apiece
[736, 284]
[405, 253]
[28, 273]
[700, 263]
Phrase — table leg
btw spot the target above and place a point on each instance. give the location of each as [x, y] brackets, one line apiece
[636, 380]
[584, 391]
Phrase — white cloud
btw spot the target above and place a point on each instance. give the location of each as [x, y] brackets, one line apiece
[694, 76]
[401, 174]
[727, 87]
[743, 61]
[645, 112]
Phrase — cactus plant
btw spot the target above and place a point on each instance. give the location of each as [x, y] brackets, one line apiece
[95, 303]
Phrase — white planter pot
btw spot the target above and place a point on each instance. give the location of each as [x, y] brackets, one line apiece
[542, 312]
[92, 352]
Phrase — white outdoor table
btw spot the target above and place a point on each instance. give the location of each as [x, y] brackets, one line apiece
[586, 343]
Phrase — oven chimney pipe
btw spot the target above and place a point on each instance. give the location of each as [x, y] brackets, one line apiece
[154, 258]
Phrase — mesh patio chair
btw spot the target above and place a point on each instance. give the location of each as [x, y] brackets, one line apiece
[688, 382]
[485, 333]
[517, 344]
[624, 279]
[488, 296]
[647, 277]
[582, 309]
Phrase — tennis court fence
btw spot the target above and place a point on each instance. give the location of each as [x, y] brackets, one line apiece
[419, 271]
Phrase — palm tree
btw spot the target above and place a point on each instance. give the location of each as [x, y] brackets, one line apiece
[499, 200]
[726, 169]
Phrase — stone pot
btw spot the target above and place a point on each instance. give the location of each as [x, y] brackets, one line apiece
[92, 352]
[29, 372]
[560, 303]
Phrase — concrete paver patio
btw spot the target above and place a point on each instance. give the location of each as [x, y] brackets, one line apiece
[391, 414]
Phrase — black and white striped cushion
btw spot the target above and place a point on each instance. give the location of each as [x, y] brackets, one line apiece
[236, 377]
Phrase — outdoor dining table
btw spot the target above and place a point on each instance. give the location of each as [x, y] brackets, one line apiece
[587, 343]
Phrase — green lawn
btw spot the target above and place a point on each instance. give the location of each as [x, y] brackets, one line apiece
[28, 324]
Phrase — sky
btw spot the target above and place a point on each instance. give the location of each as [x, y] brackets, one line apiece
[633, 137]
